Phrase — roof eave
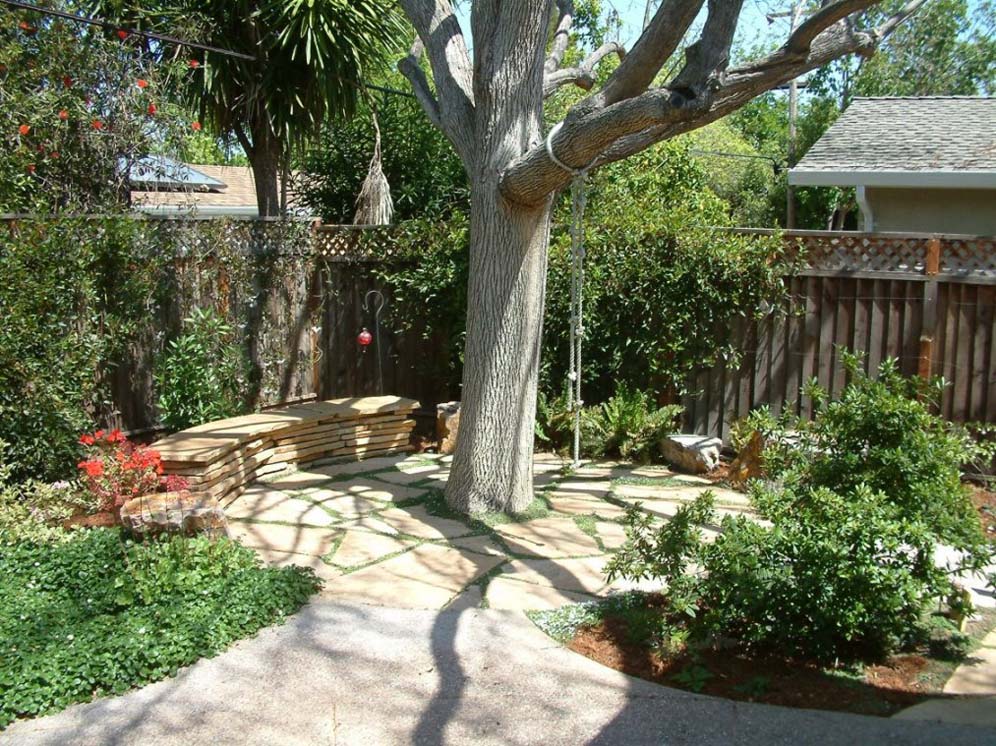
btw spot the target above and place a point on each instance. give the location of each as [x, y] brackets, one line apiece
[900, 179]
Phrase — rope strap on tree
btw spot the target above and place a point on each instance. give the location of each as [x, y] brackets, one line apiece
[579, 199]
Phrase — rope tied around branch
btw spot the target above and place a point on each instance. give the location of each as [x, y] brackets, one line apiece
[579, 199]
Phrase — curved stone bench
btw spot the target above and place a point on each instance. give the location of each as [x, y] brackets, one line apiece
[220, 458]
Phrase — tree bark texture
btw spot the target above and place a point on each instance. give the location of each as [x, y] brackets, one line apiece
[265, 158]
[492, 466]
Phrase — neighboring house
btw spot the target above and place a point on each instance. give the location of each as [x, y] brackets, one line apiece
[919, 165]
[162, 186]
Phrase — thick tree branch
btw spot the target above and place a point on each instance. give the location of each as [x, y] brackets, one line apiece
[412, 70]
[595, 138]
[437, 27]
[710, 55]
[583, 75]
[642, 63]
[831, 13]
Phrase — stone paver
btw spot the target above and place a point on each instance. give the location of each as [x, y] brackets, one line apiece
[593, 487]
[613, 535]
[361, 548]
[503, 593]
[584, 575]
[580, 504]
[295, 480]
[408, 475]
[346, 506]
[369, 489]
[426, 577]
[284, 559]
[416, 521]
[277, 537]
[548, 537]
[348, 468]
[275, 506]
[479, 544]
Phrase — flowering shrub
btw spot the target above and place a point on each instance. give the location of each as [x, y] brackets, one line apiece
[119, 470]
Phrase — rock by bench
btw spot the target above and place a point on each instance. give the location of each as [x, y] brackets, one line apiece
[220, 458]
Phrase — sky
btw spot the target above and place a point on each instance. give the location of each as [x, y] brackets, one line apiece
[753, 25]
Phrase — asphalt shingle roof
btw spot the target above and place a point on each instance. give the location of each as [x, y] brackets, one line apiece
[912, 135]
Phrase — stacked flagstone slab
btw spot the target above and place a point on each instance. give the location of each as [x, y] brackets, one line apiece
[220, 458]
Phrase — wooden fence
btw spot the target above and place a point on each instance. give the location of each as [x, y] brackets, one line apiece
[926, 300]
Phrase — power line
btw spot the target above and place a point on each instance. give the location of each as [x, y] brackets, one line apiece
[114, 27]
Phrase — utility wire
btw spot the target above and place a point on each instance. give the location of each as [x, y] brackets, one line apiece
[114, 27]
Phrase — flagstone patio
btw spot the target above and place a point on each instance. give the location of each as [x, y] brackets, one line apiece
[378, 531]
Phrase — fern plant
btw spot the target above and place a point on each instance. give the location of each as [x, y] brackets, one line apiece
[629, 426]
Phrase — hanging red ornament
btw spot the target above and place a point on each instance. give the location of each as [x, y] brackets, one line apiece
[67, 81]
[54, 154]
[142, 83]
[194, 64]
[97, 124]
[24, 129]
[152, 109]
[195, 126]
[63, 115]
[364, 338]
[31, 168]
[122, 34]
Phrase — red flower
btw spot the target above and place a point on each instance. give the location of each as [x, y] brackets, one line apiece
[86, 439]
[97, 124]
[24, 129]
[141, 83]
[115, 436]
[67, 81]
[54, 154]
[93, 467]
[63, 115]
[194, 64]
[195, 126]
[122, 34]
[152, 109]
[98, 435]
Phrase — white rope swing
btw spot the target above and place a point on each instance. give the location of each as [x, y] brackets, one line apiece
[578, 202]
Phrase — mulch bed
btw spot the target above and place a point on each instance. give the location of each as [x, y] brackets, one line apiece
[984, 500]
[885, 689]
[95, 520]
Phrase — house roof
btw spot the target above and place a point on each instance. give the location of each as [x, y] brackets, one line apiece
[206, 190]
[935, 141]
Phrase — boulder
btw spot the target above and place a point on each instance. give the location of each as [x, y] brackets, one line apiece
[696, 454]
[447, 424]
[180, 512]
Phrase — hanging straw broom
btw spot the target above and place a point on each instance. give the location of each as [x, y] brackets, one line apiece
[374, 205]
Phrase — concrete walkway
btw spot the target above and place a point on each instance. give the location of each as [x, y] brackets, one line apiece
[352, 674]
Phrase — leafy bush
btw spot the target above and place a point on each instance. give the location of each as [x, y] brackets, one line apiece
[843, 577]
[856, 505]
[881, 434]
[629, 426]
[202, 376]
[34, 510]
[94, 615]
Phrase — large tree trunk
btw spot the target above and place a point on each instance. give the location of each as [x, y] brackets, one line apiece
[265, 159]
[492, 466]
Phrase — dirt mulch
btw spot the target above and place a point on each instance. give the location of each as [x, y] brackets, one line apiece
[984, 500]
[882, 690]
[95, 520]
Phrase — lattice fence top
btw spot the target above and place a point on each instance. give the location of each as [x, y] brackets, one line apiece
[843, 251]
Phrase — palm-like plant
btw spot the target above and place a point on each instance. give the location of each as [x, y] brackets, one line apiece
[309, 60]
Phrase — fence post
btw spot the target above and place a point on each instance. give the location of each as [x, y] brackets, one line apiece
[931, 267]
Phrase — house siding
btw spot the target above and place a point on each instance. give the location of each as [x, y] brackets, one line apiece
[960, 211]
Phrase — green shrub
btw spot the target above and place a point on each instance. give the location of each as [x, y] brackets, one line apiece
[202, 375]
[629, 426]
[34, 510]
[95, 615]
[857, 502]
[881, 434]
[845, 578]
